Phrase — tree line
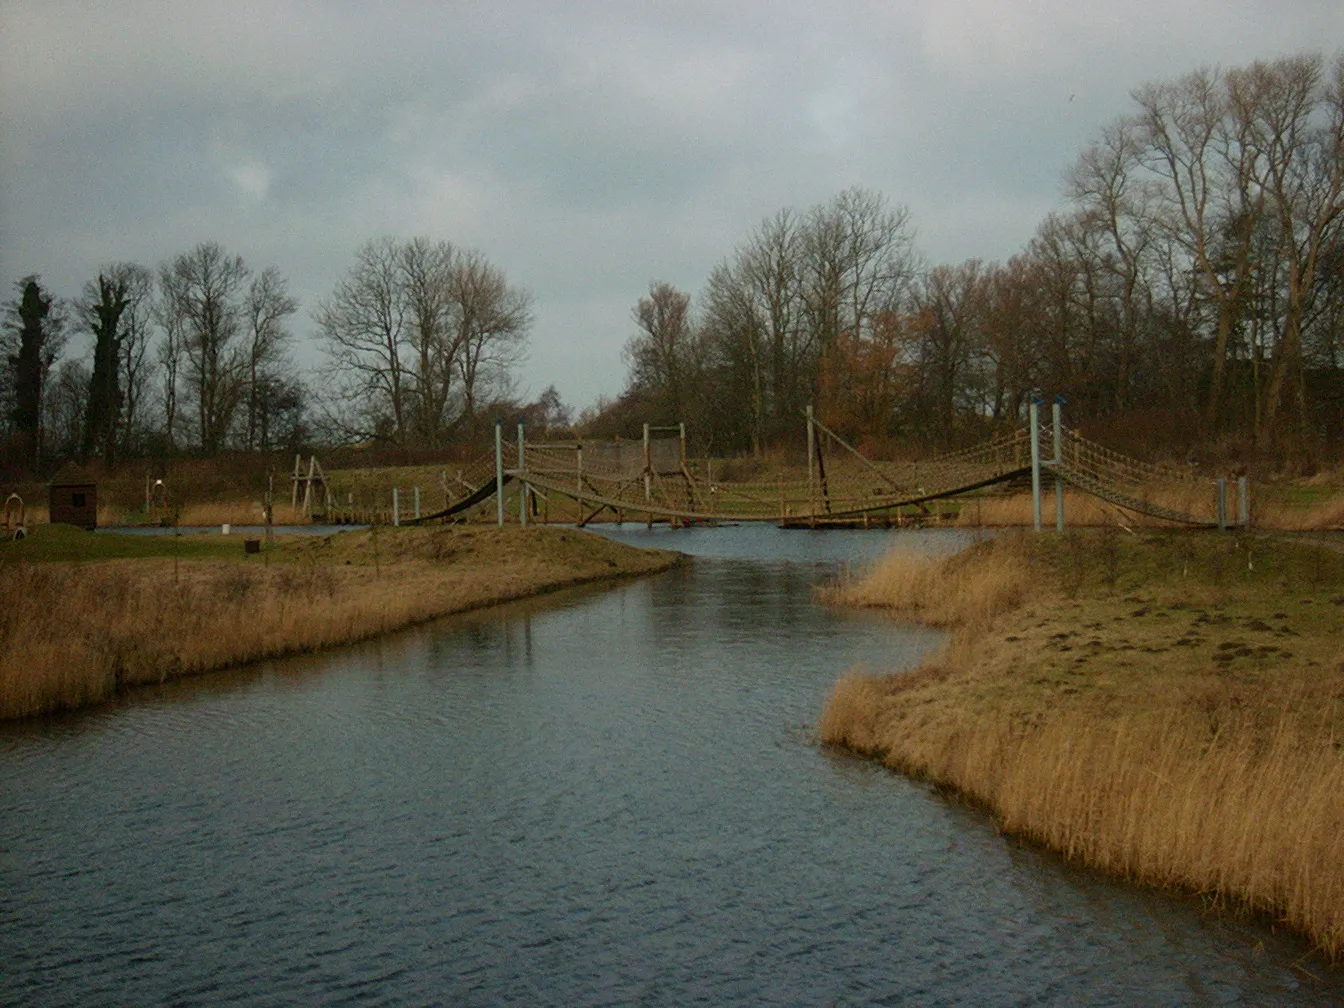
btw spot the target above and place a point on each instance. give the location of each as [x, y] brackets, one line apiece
[1195, 275]
[419, 341]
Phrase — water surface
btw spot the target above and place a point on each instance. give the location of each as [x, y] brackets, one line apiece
[606, 797]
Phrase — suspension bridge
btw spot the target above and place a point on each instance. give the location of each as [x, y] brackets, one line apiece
[654, 480]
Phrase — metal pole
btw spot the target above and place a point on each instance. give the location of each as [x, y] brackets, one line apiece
[1243, 502]
[396, 506]
[499, 471]
[1221, 484]
[522, 473]
[1059, 458]
[1036, 464]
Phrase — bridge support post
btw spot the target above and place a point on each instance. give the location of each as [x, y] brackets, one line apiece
[1035, 412]
[522, 479]
[1221, 484]
[1059, 460]
[499, 471]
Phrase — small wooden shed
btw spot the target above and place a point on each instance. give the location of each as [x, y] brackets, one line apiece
[73, 503]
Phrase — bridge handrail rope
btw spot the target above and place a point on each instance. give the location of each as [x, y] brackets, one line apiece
[606, 479]
[1126, 466]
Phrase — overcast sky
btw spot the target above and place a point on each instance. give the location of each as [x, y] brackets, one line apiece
[586, 149]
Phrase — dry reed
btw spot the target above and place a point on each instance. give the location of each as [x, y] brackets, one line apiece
[942, 591]
[1080, 509]
[73, 634]
[1191, 772]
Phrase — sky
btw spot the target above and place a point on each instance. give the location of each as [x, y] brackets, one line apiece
[587, 149]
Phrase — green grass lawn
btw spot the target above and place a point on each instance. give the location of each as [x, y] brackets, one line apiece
[66, 542]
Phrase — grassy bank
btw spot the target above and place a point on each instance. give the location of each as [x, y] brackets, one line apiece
[83, 615]
[1166, 707]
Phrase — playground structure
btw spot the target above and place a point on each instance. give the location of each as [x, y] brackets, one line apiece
[15, 513]
[654, 480]
[312, 484]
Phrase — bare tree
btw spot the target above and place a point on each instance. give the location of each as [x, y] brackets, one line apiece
[267, 306]
[427, 285]
[134, 366]
[363, 329]
[950, 308]
[65, 405]
[169, 360]
[204, 292]
[493, 319]
[663, 357]
[1295, 108]
[1194, 141]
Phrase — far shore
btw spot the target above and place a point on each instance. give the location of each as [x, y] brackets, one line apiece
[84, 616]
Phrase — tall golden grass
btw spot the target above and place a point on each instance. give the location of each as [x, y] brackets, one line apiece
[1225, 786]
[1080, 509]
[941, 591]
[239, 513]
[73, 634]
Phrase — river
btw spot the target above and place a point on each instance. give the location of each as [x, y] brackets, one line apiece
[604, 797]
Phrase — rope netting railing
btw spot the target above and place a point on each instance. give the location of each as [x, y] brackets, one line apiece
[1104, 463]
[1160, 491]
[1003, 453]
[626, 476]
[654, 477]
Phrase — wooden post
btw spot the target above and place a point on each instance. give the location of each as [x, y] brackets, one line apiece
[1243, 502]
[396, 507]
[1221, 484]
[326, 487]
[417, 502]
[308, 485]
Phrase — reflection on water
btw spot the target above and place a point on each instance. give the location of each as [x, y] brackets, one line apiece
[608, 797]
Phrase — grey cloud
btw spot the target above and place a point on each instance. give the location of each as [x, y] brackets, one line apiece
[585, 148]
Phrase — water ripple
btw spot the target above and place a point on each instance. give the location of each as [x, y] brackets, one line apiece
[605, 798]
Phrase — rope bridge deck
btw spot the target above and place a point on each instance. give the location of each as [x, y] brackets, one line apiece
[655, 480]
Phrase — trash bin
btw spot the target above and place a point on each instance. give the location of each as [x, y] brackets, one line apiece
[251, 545]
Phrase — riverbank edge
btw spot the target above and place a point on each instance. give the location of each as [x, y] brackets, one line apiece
[950, 751]
[285, 609]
